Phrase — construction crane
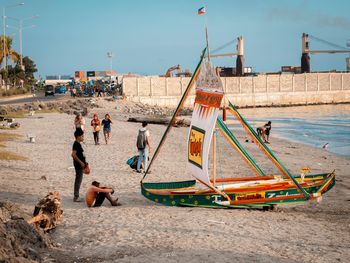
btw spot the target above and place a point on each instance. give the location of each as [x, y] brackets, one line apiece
[168, 72]
[305, 58]
[239, 54]
[179, 73]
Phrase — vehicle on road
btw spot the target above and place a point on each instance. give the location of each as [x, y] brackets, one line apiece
[61, 89]
[49, 90]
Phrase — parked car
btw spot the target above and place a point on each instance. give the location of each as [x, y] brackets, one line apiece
[49, 90]
[61, 89]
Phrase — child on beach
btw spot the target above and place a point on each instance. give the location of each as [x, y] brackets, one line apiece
[106, 122]
[79, 162]
[264, 132]
[79, 122]
[96, 123]
[96, 194]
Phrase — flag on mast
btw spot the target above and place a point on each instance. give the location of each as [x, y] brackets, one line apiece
[201, 11]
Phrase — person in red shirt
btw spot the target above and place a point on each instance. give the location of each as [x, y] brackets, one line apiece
[96, 194]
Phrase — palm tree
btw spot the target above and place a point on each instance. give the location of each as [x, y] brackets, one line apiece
[9, 52]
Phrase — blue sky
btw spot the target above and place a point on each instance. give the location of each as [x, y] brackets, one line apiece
[149, 36]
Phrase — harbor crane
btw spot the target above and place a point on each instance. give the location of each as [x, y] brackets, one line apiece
[305, 58]
[239, 54]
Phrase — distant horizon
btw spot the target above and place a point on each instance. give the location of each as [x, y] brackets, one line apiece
[148, 37]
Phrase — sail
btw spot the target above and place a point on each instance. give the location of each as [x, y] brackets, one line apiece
[209, 94]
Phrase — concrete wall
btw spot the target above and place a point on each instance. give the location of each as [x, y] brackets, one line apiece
[261, 90]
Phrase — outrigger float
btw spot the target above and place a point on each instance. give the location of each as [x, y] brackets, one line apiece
[261, 190]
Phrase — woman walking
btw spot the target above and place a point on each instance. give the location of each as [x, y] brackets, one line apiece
[106, 122]
[79, 122]
[96, 123]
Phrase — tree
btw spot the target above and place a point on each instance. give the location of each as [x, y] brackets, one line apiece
[29, 70]
[9, 52]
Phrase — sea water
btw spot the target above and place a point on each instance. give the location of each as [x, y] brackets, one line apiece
[327, 129]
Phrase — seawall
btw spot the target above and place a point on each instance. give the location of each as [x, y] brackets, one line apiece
[261, 90]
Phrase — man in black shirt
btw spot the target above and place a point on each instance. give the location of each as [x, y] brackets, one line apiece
[78, 161]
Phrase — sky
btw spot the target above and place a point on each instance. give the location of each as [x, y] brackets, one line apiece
[149, 36]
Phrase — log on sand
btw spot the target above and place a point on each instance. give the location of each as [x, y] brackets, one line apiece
[47, 212]
[179, 122]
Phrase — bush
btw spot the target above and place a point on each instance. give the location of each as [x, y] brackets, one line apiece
[13, 91]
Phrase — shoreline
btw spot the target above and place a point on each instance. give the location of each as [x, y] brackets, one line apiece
[143, 231]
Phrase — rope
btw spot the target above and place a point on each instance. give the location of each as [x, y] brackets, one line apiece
[223, 46]
[328, 43]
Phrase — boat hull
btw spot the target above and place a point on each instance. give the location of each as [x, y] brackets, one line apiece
[252, 194]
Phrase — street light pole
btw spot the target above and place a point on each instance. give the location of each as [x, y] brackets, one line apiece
[20, 29]
[110, 56]
[4, 28]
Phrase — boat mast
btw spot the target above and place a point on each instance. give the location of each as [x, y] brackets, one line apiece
[214, 157]
[206, 33]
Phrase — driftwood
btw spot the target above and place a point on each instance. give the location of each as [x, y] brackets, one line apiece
[161, 120]
[47, 212]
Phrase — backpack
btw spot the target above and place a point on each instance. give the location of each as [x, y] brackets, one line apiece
[141, 140]
[132, 162]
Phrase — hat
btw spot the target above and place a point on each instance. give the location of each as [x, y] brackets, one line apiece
[78, 132]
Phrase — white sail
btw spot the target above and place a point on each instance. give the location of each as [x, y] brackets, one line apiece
[209, 94]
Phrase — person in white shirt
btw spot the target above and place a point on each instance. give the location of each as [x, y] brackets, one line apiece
[143, 146]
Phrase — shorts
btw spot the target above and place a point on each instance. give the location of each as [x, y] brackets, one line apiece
[106, 130]
[99, 199]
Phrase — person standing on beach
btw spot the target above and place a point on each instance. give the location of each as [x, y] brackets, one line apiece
[106, 122]
[267, 128]
[143, 146]
[79, 122]
[96, 194]
[96, 123]
[79, 162]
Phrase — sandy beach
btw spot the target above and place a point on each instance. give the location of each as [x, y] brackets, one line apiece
[142, 231]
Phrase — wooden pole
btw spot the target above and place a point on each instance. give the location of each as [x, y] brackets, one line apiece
[214, 157]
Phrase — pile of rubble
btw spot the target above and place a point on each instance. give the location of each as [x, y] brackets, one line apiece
[68, 106]
[19, 241]
[144, 109]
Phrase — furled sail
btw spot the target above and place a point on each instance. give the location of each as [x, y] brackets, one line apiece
[209, 94]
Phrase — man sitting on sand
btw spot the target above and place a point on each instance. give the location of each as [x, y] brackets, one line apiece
[96, 194]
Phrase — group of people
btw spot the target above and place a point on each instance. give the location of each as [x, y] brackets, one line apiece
[96, 194]
[96, 124]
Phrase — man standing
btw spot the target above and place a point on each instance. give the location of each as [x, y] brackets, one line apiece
[143, 146]
[78, 161]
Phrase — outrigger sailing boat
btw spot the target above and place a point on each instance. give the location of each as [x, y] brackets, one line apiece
[260, 190]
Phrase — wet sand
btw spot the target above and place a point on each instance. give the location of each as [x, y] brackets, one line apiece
[142, 231]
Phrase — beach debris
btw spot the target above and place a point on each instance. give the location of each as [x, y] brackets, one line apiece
[161, 120]
[216, 222]
[21, 242]
[43, 178]
[31, 138]
[47, 213]
[325, 146]
[15, 125]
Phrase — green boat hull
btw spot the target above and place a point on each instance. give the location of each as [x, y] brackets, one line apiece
[212, 200]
